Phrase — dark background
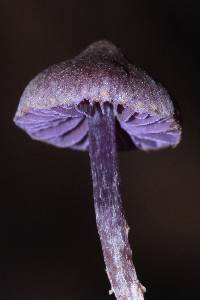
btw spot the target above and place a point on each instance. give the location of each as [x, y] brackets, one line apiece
[49, 248]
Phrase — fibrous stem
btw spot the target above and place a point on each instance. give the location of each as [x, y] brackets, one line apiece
[111, 224]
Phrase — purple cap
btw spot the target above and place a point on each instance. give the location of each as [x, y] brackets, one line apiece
[49, 109]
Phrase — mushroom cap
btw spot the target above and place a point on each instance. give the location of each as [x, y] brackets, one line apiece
[49, 108]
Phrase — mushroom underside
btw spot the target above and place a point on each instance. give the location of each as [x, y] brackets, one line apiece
[66, 126]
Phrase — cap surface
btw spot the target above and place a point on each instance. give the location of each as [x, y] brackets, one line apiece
[49, 107]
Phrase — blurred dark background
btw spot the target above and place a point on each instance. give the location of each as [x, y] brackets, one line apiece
[49, 248]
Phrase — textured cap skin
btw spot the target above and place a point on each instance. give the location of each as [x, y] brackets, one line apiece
[49, 107]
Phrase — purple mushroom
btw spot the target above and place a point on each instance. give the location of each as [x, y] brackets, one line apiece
[99, 102]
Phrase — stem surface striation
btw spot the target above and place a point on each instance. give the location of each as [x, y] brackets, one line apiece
[111, 223]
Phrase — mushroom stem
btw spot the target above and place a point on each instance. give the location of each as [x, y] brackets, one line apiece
[111, 223]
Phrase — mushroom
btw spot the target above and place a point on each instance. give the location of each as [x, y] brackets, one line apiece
[99, 102]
